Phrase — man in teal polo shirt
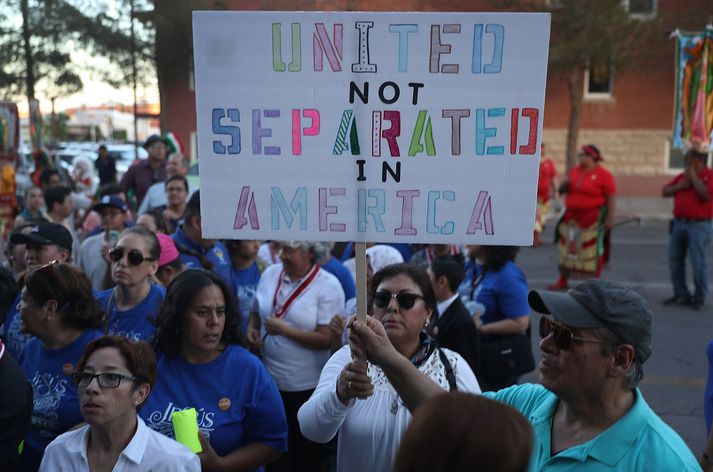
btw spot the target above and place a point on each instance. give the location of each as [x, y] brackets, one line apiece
[588, 414]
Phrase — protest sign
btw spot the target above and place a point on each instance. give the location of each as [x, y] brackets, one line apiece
[389, 127]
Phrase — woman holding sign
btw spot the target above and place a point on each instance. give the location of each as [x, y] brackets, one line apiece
[114, 377]
[296, 300]
[359, 402]
[582, 233]
[201, 365]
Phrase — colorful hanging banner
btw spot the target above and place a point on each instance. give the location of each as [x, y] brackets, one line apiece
[9, 143]
[36, 125]
[693, 108]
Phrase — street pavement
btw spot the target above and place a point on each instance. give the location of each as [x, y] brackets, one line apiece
[675, 374]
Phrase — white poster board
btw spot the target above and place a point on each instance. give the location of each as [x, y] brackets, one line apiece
[388, 127]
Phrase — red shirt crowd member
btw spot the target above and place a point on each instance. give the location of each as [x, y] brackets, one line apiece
[690, 229]
[546, 185]
[589, 202]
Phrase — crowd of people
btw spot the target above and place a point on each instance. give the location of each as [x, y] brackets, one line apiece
[116, 318]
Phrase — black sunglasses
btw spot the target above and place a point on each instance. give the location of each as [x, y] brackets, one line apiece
[405, 300]
[134, 256]
[562, 335]
[105, 379]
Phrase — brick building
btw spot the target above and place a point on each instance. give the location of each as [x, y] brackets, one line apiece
[628, 115]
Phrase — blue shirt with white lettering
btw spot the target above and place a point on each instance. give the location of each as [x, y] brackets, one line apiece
[14, 339]
[236, 400]
[56, 401]
[134, 323]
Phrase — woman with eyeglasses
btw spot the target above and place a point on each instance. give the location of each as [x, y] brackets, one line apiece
[57, 307]
[114, 376]
[135, 299]
[358, 401]
[202, 364]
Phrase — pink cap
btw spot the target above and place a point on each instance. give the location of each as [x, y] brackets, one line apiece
[169, 253]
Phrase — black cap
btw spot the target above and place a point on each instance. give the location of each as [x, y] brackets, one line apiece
[152, 139]
[598, 303]
[45, 233]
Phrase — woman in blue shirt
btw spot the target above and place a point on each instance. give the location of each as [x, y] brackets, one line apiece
[502, 289]
[57, 306]
[202, 365]
[134, 301]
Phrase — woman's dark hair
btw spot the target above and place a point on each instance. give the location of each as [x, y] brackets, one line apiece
[154, 248]
[442, 438]
[180, 178]
[495, 257]
[140, 359]
[415, 272]
[72, 290]
[179, 296]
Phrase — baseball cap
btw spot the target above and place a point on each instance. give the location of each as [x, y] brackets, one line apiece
[45, 233]
[169, 253]
[598, 303]
[152, 139]
[114, 201]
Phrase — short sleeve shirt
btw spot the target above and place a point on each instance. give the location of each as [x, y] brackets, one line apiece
[231, 414]
[544, 181]
[134, 323]
[687, 204]
[589, 189]
[503, 293]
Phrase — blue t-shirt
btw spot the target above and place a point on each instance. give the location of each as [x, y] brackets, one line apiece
[638, 441]
[235, 397]
[337, 269]
[217, 254]
[134, 323]
[503, 293]
[244, 285]
[56, 402]
[14, 339]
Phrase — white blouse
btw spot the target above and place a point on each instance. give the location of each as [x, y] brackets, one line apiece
[370, 430]
[147, 451]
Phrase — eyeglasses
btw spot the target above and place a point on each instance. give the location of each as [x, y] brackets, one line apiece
[134, 256]
[105, 379]
[405, 300]
[562, 335]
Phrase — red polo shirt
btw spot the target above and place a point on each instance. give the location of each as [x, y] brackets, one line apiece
[687, 204]
[547, 173]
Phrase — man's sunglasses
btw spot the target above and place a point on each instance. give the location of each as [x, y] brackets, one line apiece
[562, 335]
[405, 300]
[134, 256]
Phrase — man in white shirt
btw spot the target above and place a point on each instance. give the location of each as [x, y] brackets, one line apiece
[177, 164]
[113, 213]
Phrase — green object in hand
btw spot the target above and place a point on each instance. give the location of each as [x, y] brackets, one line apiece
[185, 426]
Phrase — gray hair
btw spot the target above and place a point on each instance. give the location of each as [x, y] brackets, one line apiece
[185, 160]
[636, 371]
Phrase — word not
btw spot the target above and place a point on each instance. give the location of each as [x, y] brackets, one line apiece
[371, 208]
[333, 48]
[485, 123]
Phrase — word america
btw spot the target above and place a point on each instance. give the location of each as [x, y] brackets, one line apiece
[372, 205]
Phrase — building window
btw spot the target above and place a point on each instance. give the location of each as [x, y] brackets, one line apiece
[598, 80]
[641, 9]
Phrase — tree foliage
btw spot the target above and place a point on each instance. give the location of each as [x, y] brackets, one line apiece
[64, 38]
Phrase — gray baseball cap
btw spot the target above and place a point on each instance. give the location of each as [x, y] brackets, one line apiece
[598, 303]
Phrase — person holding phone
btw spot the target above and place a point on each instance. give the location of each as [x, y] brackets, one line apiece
[113, 216]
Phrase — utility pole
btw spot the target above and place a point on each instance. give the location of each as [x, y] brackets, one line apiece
[133, 78]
